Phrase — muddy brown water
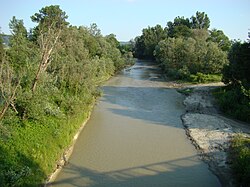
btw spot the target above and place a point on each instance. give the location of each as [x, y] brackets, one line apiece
[135, 138]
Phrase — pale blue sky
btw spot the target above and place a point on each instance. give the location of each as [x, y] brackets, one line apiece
[126, 18]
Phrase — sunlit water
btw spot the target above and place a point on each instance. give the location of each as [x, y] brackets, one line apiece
[135, 138]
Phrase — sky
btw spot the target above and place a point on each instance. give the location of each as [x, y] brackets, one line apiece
[127, 18]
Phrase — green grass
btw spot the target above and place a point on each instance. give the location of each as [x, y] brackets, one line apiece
[240, 156]
[30, 153]
[204, 78]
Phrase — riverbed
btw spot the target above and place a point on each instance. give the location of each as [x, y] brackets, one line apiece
[135, 137]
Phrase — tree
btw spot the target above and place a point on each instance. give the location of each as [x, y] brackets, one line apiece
[145, 44]
[220, 38]
[9, 84]
[180, 27]
[238, 70]
[94, 30]
[111, 38]
[17, 27]
[1, 47]
[214, 60]
[19, 51]
[139, 47]
[235, 99]
[181, 57]
[200, 21]
[51, 21]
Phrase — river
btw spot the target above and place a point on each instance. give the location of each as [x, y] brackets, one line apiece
[135, 138]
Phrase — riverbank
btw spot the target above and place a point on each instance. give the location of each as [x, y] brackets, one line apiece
[210, 131]
[68, 151]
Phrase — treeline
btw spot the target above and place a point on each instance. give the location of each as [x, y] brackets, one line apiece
[234, 99]
[185, 48]
[48, 82]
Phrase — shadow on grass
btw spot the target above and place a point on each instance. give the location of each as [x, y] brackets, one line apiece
[16, 169]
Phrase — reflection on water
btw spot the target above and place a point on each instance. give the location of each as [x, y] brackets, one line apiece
[135, 138]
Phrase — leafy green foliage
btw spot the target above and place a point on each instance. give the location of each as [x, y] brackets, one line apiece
[204, 78]
[235, 98]
[145, 44]
[233, 102]
[181, 58]
[237, 71]
[1, 47]
[186, 49]
[240, 154]
[220, 38]
[66, 64]
[200, 21]
[180, 27]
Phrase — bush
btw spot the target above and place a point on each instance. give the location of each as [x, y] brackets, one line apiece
[240, 155]
[204, 78]
[40, 122]
[191, 59]
[234, 103]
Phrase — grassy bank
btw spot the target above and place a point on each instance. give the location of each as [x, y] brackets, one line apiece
[48, 83]
[31, 151]
[240, 156]
[236, 105]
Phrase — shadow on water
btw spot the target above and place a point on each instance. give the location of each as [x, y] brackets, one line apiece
[170, 173]
[146, 103]
[135, 138]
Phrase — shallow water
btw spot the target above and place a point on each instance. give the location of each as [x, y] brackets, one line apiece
[135, 138]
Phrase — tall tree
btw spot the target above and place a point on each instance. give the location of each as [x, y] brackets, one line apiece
[220, 38]
[180, 27]
[145, 44]
[19, 45]
[238, 70]
[139, 47]
[200, 21]
[51, 21]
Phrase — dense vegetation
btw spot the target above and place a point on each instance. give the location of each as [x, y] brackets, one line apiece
[185, 48]
[235, 98]
[240, 157]
[49, 78]
[48, 83]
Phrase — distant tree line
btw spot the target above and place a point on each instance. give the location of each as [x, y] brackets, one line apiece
[48, 81]
[185, 47]
[187, 50]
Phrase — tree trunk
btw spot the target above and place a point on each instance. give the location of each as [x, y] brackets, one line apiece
[46, 54]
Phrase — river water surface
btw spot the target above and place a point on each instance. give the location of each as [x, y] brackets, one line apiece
[135, 138]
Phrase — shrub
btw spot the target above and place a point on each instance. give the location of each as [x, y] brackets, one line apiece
[240, 155]
[204, 78]
[234, 103]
